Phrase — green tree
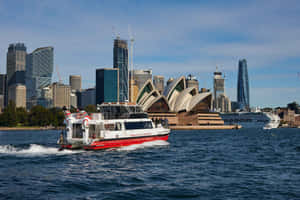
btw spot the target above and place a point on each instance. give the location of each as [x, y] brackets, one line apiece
[39, 116]
[21, 116]
[90, 108]
[9, 117]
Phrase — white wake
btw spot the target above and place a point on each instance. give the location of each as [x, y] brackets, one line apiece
[144, 145]
[34, 150]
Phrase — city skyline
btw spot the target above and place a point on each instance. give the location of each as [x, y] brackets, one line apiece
[169, 36]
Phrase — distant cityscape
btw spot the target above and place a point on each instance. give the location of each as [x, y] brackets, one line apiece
[27, 83]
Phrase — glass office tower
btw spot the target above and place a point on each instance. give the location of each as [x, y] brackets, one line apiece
[39, 69]
[107, 85]
[243, 97]
[121, 62]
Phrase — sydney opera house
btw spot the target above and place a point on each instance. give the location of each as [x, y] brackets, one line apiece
[180, 104]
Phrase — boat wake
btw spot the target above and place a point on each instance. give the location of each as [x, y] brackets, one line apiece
[144, 145]
[34, 150]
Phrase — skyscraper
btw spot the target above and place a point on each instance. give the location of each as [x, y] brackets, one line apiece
[218, 88]
[107, 85]
[39, 69]
[121, 62]
[15, 70]
[159, 83]
[141, 76]
[243, 86]
[75, 82]
[16, 60]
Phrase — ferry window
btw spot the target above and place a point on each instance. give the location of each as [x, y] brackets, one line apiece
[77, 131]
[110, 127]
[92, 131]
[118, 126]
[138, 125]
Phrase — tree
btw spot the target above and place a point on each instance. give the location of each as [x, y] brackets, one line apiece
[8, 117]
[90, 108]
[39, 116]
[21, 116]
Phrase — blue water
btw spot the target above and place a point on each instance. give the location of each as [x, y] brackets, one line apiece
[231, 164]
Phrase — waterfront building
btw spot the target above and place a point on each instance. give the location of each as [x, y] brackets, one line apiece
[133, 90]
[179, 104]
[17, 94]
[170, 80]
[73, 100]
[46, 99]
[87, 97]
[120, 61]
[107, 85]
[243, 96]
[191, 81]
[61, 95]
[159, 82]
[141, 76]
[16, 60]
[39, 69]
[75, 82]
[3, 90]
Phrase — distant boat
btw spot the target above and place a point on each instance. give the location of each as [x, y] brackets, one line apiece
[264, 120]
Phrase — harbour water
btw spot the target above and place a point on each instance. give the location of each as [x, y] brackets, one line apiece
[203, 164]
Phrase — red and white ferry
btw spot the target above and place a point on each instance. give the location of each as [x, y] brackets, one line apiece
[115, 125]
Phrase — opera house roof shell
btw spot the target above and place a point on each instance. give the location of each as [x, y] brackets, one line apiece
[176, 98]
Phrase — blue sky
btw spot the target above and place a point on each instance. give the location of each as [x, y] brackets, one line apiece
[173, 38]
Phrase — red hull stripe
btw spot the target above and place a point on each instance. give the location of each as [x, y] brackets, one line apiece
[123, 142]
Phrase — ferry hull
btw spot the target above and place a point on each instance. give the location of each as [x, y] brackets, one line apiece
[123, 142]
[114, 143]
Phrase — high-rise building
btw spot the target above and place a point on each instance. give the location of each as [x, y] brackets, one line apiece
[141, 76]
[61, 95]
[16, 60]
[133, 91]
[87, 97]
[39, 69]
[191, 81]
[218, 88]
[159, 82]
[107, 85]
[15, 69]
[3, 91]
[75, 82]
[243, 97]
[17, 94]
[170, 80]
[221, 102]
[121, 63]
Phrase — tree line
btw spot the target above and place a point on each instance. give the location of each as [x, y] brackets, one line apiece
[36, 116]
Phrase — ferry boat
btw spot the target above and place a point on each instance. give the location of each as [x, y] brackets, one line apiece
[264, 120]
[115, 125]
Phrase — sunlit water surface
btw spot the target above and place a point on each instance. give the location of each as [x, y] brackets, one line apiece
[219, 164]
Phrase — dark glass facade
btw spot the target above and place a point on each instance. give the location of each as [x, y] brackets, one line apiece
[121, 62]
[243, 97]
[107, 85]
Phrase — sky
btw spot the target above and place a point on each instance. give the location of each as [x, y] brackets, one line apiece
[173, 38]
